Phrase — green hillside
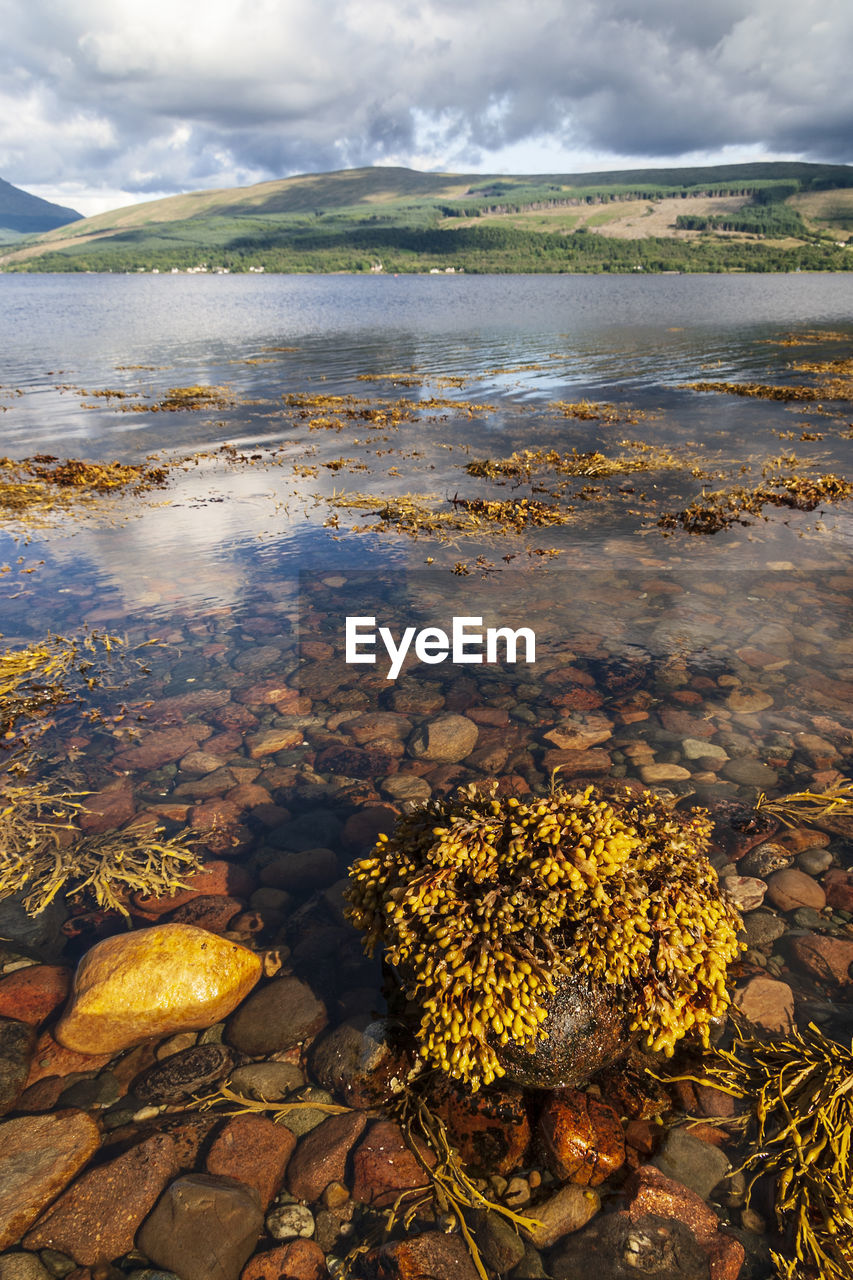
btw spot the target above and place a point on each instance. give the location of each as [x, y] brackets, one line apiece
[757, 217]
[25, 214]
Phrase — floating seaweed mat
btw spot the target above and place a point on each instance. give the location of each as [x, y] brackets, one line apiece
[42, 483]
[414, 514]
[522, 464]
[725, 507]
[593, 411]
[800, 1125]
[375, 413]
[836, 387]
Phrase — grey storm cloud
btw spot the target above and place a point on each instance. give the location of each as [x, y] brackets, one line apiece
[169, 94]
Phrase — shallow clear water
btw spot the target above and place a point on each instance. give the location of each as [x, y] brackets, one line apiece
[649, 641]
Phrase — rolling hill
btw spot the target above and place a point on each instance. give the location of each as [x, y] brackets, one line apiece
[766, 217]
[22, 214]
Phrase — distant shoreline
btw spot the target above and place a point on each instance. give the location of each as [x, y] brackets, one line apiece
[768, 218]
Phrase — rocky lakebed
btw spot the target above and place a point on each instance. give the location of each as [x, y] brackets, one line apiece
[224, 1089]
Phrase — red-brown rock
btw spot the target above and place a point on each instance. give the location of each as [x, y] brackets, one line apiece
[377, 724]
[582, 1138]
[321, 1156]
[39, 1155]
[33, 994]
[766, 1002]
[838, 887]
[219, 821]
[433, 1255]
[790, 888]
[162, 746]
[490, 1130]
[97, 1218]
[296, 1260]
[642, 1135]
[383, 1166]
[274, 693]
[253, 1150]
[176, 709]
[109, 808]
[362, 827]
[648, 1191]
[52, 1059]
[214, 815]
[248, 795]
[268, 742]
[213, 912]
[682, 722]
[798, 839]
[41, 1096]
[571, 763]
[488, 715]
[827, 959]
[215, 877]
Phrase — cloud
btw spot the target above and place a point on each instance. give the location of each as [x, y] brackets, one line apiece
[179, 94]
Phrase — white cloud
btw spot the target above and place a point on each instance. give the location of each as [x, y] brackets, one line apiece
[180, 94]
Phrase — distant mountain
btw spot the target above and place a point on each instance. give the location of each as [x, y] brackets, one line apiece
[748, 217]
[30, 215]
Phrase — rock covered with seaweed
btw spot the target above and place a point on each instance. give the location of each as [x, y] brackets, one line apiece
[491, 908]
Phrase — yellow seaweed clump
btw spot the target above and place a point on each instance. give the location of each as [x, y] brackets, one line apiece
[725, 507]
[42, 485]
[43, 853]
[483, 902]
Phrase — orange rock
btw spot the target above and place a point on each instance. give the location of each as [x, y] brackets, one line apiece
[582, 1137]
[171, 977]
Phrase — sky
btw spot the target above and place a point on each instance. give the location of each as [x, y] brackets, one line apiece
[107, 102]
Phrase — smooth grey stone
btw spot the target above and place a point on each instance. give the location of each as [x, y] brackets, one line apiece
[692, 1162]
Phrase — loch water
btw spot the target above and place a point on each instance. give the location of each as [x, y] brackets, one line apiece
[710, 665]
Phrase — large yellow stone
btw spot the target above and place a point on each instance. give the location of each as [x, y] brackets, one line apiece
[172, 977]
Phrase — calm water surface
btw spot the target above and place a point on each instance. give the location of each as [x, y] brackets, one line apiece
[713, 666]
